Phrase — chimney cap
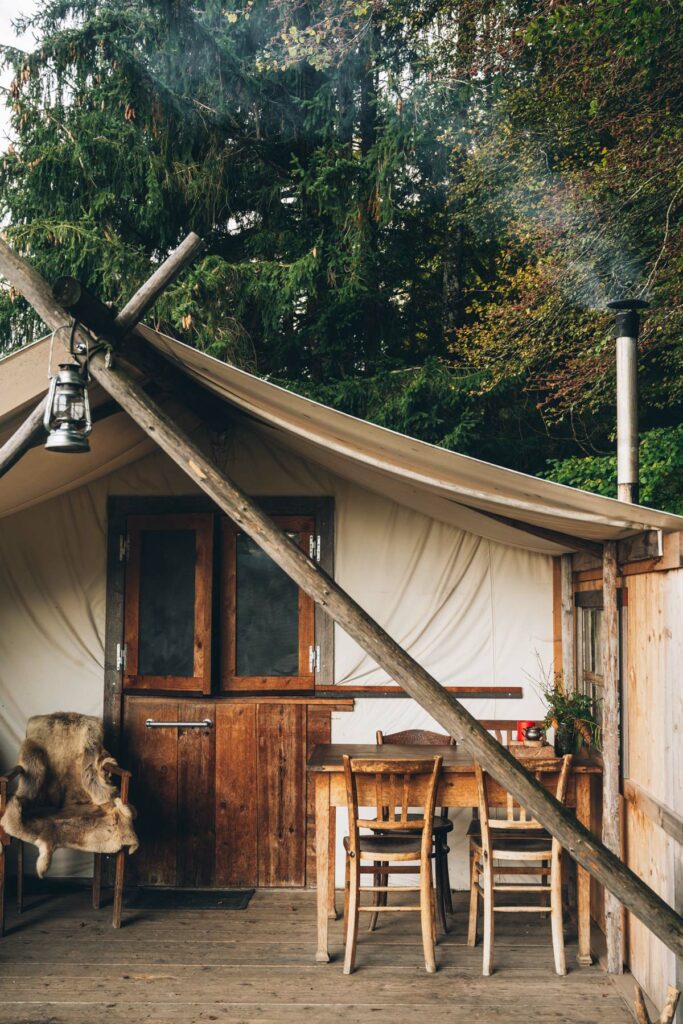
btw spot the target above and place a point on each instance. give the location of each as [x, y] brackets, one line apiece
[628, 304]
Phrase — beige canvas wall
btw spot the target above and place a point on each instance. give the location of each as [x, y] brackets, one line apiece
[470, 610]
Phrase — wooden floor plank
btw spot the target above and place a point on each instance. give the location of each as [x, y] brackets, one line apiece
[61, 963]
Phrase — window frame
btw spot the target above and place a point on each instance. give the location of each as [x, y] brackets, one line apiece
[592, 682]
[229, 681]
[203, 526]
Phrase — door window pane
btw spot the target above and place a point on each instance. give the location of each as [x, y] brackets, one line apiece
[167, 603]
[267, 614]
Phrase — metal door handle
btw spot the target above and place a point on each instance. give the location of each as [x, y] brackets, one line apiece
[206, 723]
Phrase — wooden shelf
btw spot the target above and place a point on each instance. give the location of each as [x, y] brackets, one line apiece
[393, 690]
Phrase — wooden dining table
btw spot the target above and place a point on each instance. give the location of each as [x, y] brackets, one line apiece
[457, 788]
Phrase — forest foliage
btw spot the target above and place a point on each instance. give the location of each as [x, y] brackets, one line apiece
[414, 212]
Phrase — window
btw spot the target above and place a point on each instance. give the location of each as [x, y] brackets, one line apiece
[205, 610]
[167, 619]
[589, 624]
[590, 656]
[267, 622]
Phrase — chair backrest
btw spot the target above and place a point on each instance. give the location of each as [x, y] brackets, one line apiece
[391, 796]
[504, 729]
[415, 737]
[515, 816]
[61, 756]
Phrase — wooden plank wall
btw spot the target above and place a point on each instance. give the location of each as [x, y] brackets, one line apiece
[652, 724]
[653, 701]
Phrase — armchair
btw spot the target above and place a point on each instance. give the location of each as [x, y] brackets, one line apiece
[65, 798]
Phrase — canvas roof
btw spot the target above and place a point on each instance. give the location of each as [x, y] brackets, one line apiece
[450, 487]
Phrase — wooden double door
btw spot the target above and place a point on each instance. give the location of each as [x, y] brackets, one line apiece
[222, 800]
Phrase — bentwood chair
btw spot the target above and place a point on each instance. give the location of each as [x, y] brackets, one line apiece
[516, 845]
[442, 824]
[396, 841]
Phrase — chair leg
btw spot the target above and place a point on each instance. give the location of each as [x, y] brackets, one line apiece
[556, 914]
[97, 882]
[488, 916]
[20, 878]
[439, 880]
[3, 865]
[427, 917]
[377, 900]
[347, 886]
[118, 888]
[474, 899]
[447, 881]
[547, 901]
[352, 916]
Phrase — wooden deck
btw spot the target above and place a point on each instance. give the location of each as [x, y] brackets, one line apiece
[61, 963]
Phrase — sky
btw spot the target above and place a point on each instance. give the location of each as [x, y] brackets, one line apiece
[9, 11]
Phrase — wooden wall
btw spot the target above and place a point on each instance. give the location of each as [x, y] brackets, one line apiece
[652, 725]
[653, 761]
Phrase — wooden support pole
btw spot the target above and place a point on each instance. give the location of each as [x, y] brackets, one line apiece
[448, 712]
[567, 621]
[149, 292]
[24, 437]
[611, 809]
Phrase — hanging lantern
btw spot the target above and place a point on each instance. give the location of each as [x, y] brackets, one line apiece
[67, 414]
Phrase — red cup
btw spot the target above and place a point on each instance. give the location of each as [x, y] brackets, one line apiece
[521, 730]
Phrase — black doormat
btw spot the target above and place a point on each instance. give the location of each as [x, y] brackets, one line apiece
[188, 899]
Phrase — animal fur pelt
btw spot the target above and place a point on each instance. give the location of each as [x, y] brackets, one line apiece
[64, 797]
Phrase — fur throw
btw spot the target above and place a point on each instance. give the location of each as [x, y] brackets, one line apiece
[64, 797]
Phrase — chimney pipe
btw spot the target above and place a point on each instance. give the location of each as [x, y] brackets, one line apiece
[626, 328]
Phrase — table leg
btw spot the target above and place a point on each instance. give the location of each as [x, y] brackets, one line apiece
[322, 862]
[332, 863]
[583, 879]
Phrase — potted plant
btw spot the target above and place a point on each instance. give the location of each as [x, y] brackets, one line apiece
[571, 714]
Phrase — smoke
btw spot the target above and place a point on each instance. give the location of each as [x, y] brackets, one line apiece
[586, 243]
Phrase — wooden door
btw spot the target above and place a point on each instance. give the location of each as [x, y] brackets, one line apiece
[224, 804]
[172, 790]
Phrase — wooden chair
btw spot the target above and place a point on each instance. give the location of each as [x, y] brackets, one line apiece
[66, 798]
[516, 838]
[442, 824]
[504, 729]
[395, 840]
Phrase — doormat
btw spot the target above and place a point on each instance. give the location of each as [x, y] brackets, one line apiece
[188, 899]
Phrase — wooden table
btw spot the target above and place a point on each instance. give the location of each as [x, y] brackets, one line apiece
[457, 788]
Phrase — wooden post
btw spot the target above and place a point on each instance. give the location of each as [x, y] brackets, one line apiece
[23, 437]
[611, 816]
[567, 599]
[455, 719]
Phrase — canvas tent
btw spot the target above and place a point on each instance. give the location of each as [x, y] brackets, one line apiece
[454, 557]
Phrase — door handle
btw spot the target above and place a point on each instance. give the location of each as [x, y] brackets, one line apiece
[206, 723]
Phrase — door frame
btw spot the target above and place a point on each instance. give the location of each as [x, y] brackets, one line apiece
[321, 509]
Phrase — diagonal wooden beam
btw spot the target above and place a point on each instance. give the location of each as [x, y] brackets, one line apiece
[40, 295]
[586, 848]
[23, 438]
